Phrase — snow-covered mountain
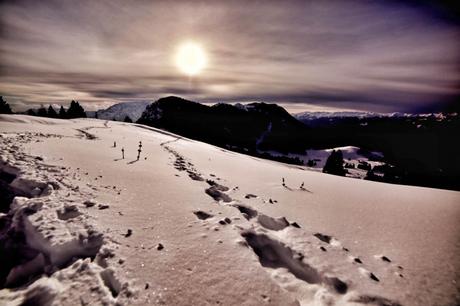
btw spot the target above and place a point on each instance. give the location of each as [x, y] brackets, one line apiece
[346, 114]
[119, 111]
[189, 223]
[308, 116]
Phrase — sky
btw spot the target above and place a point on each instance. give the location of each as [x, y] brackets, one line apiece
[382, 56]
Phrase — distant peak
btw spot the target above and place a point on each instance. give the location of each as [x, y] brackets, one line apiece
[173, 98]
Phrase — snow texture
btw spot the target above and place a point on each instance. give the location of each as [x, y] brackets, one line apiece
[192, 224]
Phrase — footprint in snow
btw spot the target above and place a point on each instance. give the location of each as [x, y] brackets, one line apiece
[275, 254]
[202, 215]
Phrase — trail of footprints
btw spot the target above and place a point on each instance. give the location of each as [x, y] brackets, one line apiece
[83, 132]
[287, 250]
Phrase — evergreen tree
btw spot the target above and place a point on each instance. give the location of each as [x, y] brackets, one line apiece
[42, 112]
[334, 163]
[72, 110]
[51, 112]
[75, 110]
[31, 112]
[127, 119]
[62, 113]
[4, 107]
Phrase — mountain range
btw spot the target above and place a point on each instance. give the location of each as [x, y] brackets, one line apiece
[257, 126]
[419, 147]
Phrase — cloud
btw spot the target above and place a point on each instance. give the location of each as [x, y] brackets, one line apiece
[380, 56]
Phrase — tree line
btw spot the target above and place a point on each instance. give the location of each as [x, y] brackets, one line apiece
[75, 110]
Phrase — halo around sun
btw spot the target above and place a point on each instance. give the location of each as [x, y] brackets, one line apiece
[191, 58]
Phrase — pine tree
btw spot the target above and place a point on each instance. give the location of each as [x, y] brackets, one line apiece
[71, 111]
[31, 112]
[42, 112]
[75, 110]
[127, 119]
[334, 163]
[51, 112]
[62, 113]
[4, 107]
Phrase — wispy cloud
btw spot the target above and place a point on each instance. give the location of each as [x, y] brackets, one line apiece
[380, 56]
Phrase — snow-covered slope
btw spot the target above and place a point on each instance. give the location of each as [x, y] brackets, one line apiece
[192, 224]
[119, 111]
[355, 159]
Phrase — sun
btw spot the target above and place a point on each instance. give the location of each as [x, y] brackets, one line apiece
[191, 58]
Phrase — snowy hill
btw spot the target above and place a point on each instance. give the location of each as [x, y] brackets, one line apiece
[119, 111]
[189, 223]
[357, 161]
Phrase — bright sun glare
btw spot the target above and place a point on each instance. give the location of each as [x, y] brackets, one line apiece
[191, 58]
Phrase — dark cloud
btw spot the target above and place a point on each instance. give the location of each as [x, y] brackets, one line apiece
[379, 55]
